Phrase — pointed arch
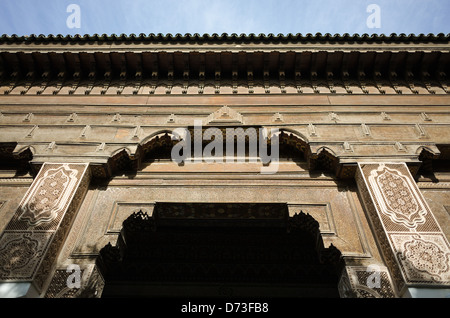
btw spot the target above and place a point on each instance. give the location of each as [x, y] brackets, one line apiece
[158, 145]
[294, 142]
[324, 159]
[326, 149]
[21, 151]
[431, 150]
[125, 149]
[154, 134]
[122, 160]
[427, 155]
[296, 133]
[16, 156]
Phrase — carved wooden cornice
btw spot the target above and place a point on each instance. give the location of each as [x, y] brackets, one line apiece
[117, 137]
[292, 60]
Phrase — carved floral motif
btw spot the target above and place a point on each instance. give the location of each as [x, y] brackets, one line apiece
[49, 195]
[20, 253]
[396, 197]
[426, 256]
[422, 254]
[17, 253]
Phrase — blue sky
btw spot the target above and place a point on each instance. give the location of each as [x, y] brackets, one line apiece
[25, 17]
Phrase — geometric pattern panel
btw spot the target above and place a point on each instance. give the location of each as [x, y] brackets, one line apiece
[59, 287]
[366, 282]
[405, 223]
[90, 286]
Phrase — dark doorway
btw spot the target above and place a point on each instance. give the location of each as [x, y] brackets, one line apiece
[220, 249]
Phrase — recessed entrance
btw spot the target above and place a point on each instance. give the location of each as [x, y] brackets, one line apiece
[220, 249]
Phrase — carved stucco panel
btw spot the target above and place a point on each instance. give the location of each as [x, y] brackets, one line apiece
[397, 197]
[416, 241]
[21, 253]
[366, 282]
[49, 195]
[423, 258]
[33, 235]
[91, 283]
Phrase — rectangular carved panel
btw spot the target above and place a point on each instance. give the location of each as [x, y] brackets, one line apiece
[416, 250]
[32, 239]
[366, 282]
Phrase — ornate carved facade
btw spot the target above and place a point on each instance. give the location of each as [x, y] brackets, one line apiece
[356, 205]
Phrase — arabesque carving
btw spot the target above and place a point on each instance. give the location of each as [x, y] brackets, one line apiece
[415, 244]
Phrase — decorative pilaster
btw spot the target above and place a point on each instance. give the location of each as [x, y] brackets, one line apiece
[31, 241]
[415, 249]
